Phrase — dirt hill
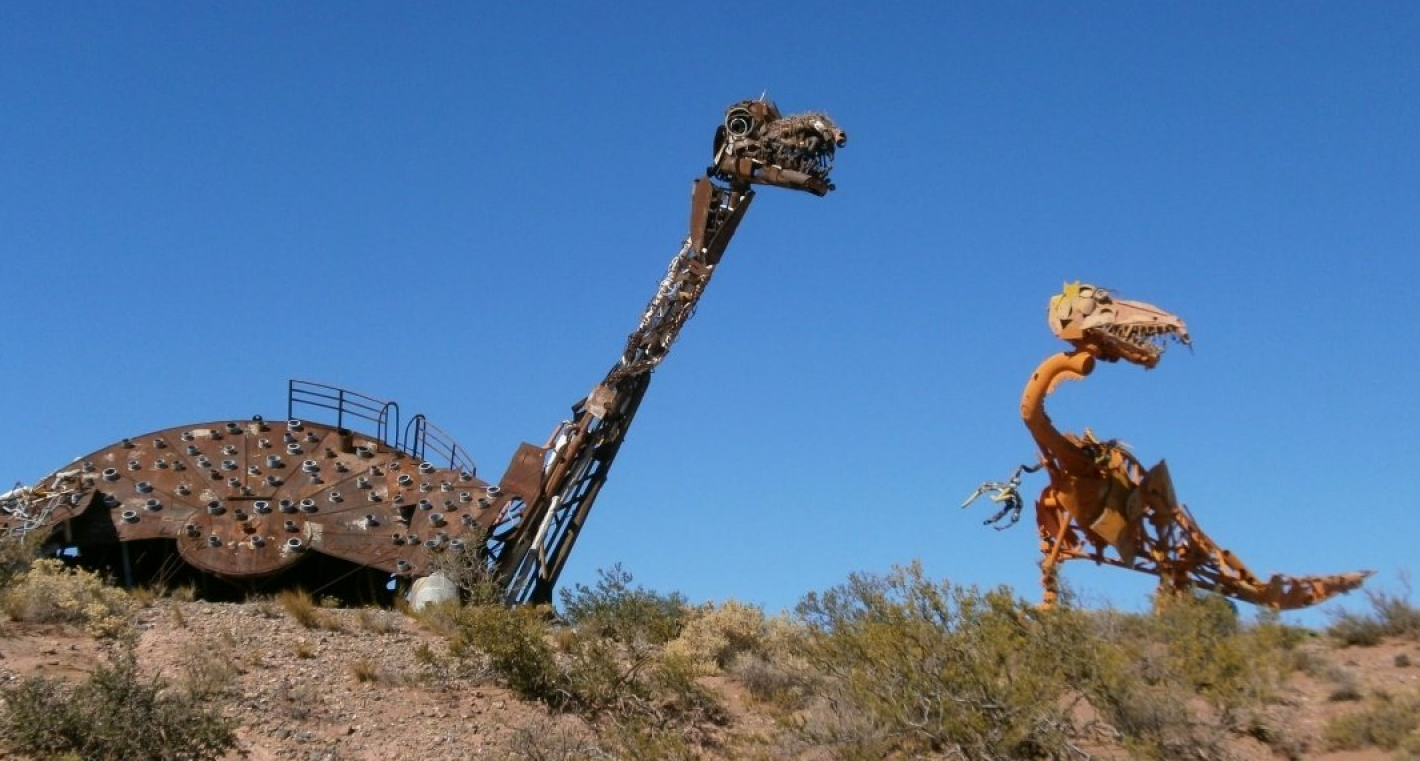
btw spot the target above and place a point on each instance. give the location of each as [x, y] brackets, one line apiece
[376, 684]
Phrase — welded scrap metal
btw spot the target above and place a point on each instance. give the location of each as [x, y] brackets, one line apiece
[754, 145]
[758, 145]
[26, 508]
[1101, 504]
[246, 500]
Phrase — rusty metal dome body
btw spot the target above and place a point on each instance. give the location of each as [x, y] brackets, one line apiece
[247, 500]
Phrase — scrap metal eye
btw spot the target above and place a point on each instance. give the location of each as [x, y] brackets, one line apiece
[739, 122]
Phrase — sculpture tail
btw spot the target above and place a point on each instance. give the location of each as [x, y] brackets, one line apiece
[1200, 562]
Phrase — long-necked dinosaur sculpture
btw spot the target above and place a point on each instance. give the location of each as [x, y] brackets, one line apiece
[250, 500]
[1101, 504]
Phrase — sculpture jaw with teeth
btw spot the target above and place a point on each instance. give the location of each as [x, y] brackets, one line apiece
[1111, 329]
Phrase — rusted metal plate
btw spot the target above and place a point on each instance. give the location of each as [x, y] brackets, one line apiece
[251, 499]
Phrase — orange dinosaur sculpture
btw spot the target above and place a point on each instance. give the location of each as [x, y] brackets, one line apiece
[1101, 504]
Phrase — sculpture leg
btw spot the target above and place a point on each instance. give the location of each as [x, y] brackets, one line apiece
[1053, 522]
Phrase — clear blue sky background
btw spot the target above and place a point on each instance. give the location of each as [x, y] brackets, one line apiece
[464, 207]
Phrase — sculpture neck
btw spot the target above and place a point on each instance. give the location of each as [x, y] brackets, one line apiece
[1062, 453]
[715, 212]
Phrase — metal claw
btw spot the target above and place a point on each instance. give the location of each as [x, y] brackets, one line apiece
[1007, 493]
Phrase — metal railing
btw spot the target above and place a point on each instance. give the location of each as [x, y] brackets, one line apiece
[419, 438]
[429, 443]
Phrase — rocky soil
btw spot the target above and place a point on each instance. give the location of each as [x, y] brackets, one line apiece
[374, 684]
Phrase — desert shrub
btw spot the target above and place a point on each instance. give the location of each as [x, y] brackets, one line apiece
[1386, 721]
[578, 671]
[1355, 629]
[470, 573]
[377, 621]
[634, 616]
[912, 667]
[1345, 692]
[777, 671]
[206, 670]
[770, 681]
[1124, 672]
[677, 698]
[115, 715]
[1390, 615]
[1236, 669]
[546, 740]
[713, 635]
[1175, 683]
[303, 609]
[51, 592]
[514, 642]
[366, 670]
[637, 739]
[17, 554]
[441, 618]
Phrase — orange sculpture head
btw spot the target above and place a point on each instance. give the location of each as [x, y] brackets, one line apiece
[1113, 329]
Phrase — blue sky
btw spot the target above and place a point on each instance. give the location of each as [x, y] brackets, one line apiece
[464, 207]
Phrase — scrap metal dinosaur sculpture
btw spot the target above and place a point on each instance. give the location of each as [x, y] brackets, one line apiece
[1101, 504]
[251, 500]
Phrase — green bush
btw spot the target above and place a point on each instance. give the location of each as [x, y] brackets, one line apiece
[1235, 668]
[514, 641]
[912, 668]
[907, 667]
[633, 616]
[1125, 672]
[113, 716]
[1176, 682]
